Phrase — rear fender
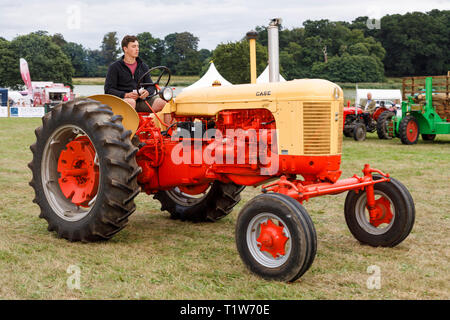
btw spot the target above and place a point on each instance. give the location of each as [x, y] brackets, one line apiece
[120, 107]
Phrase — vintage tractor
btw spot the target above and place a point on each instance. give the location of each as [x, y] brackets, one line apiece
[93, 156]
[356, 124]
[425, 110]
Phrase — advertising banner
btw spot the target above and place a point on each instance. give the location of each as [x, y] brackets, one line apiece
[27, 112]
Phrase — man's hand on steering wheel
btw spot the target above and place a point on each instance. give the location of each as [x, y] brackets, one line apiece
[144, 94]
[156, 84]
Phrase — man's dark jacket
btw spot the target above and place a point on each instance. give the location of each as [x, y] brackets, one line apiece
[119, 79]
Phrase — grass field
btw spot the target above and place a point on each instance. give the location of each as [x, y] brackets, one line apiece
[158, 258]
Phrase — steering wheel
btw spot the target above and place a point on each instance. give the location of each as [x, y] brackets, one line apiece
[163, 71]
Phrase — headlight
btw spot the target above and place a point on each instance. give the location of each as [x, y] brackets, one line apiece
[166, 93]
[336, 93]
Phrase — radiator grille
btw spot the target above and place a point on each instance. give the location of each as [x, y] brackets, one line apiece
[340, 126]
[316, 128]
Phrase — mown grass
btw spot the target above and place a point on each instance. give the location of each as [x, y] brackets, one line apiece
[158, 258]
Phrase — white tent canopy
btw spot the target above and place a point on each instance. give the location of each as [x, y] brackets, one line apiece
[395, 95]
[264, 77]
[15, 96]
[211, 76]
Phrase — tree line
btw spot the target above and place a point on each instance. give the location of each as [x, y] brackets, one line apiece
[52, 58]
[405, 45]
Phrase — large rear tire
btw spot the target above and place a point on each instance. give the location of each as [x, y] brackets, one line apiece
[84, 171]
[383, 124]
[275, 237]
[217, 201]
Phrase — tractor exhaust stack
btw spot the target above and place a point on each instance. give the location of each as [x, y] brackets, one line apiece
[274, 54]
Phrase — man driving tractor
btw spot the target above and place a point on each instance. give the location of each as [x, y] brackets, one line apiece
[369, 107]
[121, 79]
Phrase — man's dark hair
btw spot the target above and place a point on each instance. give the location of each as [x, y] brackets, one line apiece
[127, 39]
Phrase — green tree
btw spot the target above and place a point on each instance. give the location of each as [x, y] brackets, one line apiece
[58, 39]
[181, 55]
[348, 68]
[204, 55]
[318, 42]
[46, 60]
[110, 47]
[151, 49]
[415, 43]
[78, 57]
[96, 65]
[233, 60]
[9, 65]
[358, 49]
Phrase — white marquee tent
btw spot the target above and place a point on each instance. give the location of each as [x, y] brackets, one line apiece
[264, 77]
[211, 76]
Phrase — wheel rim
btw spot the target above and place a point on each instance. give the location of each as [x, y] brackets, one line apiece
[79, 173]
[184, 199]
[268, 240]
[383, 219]
[412, 130]
[70, 168]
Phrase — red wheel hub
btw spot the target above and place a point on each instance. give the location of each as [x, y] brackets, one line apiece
[412, 130]
[79, 173]
[382, 212]
[272, 239]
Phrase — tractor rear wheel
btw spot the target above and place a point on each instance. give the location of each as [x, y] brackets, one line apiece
[395, 218]
[428, 137]
[359, 131]
[84, 171]
[211, 203]
[383, 122]
[275, 237]
[409, 130]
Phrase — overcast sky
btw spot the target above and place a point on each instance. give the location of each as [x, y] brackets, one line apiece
[213, 22]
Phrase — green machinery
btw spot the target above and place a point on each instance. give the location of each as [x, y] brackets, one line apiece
[425, 110]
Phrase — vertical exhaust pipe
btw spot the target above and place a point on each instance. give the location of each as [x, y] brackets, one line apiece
[274, 52]
[251, 36]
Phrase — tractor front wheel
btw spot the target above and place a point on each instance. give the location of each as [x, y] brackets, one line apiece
[359, 131]
[275, 237]
[394, 216]
[409, 130]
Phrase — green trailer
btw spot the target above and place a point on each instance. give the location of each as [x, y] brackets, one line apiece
[425, 110]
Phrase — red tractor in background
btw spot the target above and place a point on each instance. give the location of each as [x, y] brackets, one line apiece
[357, 122]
